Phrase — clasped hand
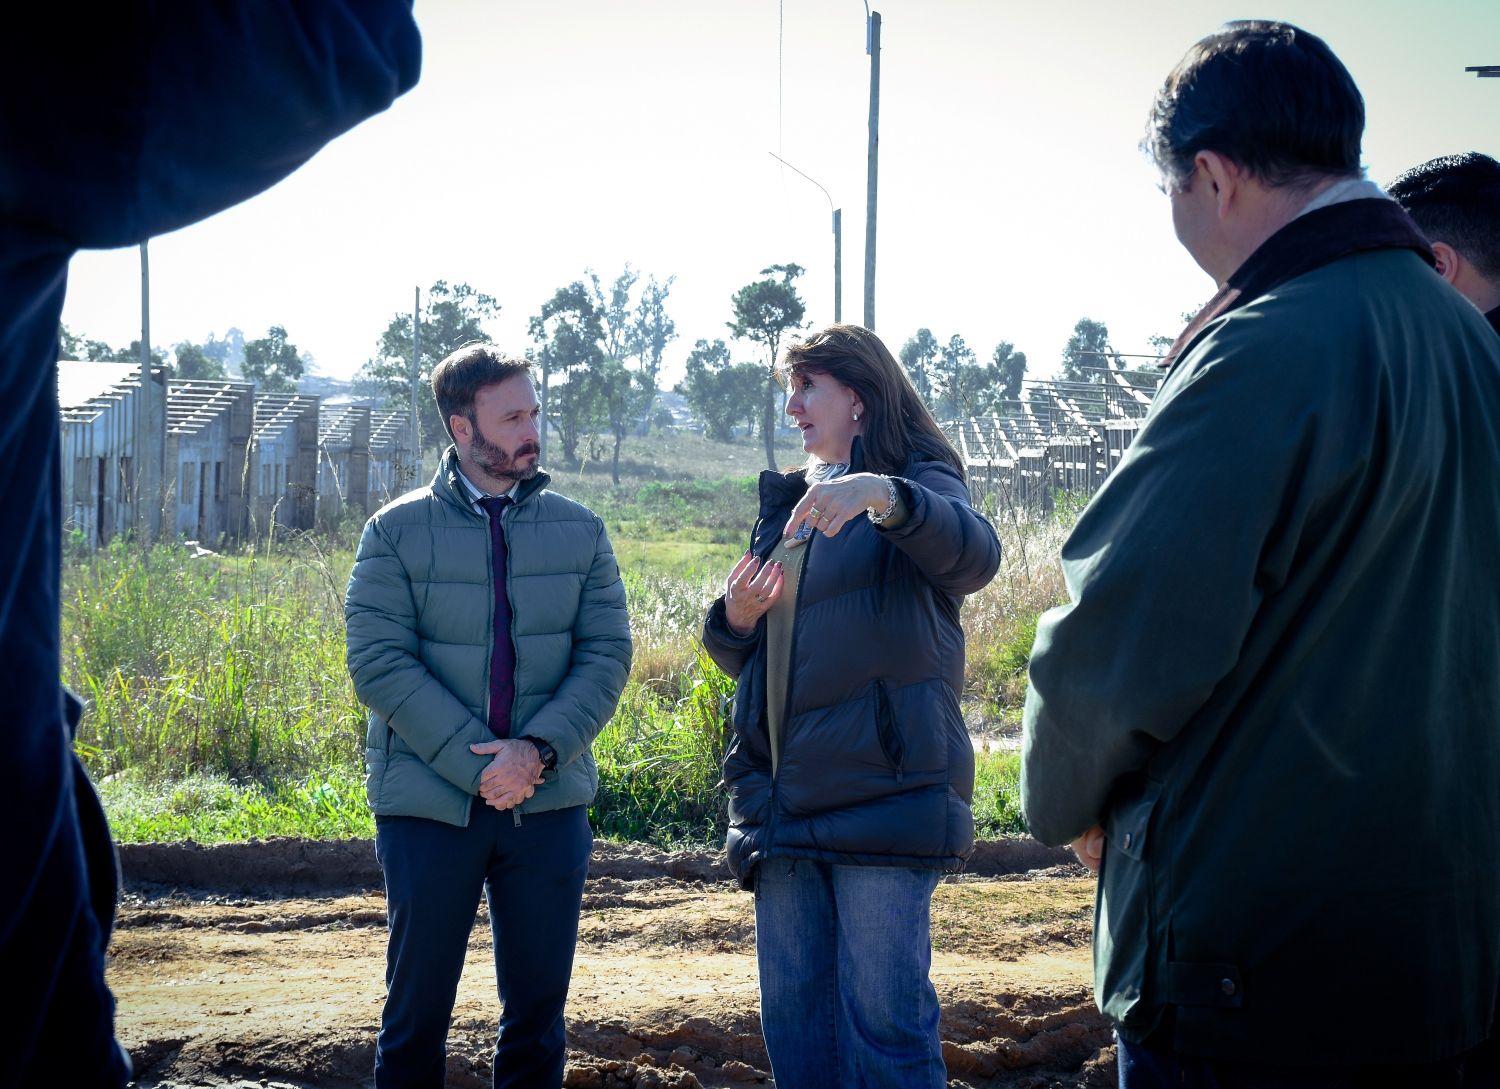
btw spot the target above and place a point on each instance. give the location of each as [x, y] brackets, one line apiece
[513, 775]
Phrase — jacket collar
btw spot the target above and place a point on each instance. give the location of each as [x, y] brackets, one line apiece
[1309, 242]
[1493, 317]
[446, 485]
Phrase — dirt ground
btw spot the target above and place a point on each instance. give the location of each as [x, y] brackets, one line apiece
[262, 965]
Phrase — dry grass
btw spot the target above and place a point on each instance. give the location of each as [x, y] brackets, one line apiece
[1000, 621]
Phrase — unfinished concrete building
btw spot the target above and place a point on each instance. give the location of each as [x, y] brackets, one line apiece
[108, 487]
[284, 461]
[1056, 437]
[343, 461]
[393, 467]
[209, 424]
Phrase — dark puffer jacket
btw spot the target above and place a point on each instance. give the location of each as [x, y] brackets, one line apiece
[875, 766]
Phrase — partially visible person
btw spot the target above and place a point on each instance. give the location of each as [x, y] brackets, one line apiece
[1270, 713]
[488, 637]
[117, 124]
[850, 774]
[1455, 199]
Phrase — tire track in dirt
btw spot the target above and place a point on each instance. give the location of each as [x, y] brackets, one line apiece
[247, 983]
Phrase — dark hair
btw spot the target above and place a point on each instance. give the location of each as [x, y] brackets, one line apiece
[1456, 199]
[1269, 96]
[896, 422]
[459, 377]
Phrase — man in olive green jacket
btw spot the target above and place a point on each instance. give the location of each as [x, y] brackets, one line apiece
[1270, 713]
[488, 637]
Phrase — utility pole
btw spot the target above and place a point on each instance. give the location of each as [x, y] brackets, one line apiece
[144, 492]
[416, 371]
[838, 242]
[872, 47]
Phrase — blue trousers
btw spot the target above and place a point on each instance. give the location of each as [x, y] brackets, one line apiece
[532, 875]
[1155, 1065]
[844, 954]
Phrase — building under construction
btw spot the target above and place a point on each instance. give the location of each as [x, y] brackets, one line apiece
[108, 485]
[208, 444]
[222, 462]
[1056, 437]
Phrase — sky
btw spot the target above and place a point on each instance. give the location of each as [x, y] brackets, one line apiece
[546, 139]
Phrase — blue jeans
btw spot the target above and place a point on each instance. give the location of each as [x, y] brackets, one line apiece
[1155, 1065]
[844, 953]
[532, 874]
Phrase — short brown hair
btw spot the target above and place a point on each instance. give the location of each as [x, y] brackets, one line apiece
[459, 377]
[897, 423]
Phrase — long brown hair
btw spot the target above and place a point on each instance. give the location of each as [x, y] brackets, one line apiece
[896, 422]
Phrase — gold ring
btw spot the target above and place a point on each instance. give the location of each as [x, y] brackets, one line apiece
[815, 513]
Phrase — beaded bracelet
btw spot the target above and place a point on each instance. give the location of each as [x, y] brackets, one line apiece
[890, 507]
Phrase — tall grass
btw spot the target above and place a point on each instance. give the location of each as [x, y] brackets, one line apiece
[1000, 621]
[226, 664]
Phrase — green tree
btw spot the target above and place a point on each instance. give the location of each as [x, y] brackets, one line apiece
[570, 332]
[272, 362]
[69, 344]
[711, 389]
[635, 328]
[651, 330]
[451, 317]
[959, 378]
[230, 351]
[1009, 367]
[191, 361]
[919, 357]
[745, 381]
[764, 312]
[614, 310]
[615, 396]
[1087, 350]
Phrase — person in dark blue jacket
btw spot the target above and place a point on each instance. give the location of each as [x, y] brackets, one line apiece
[851, 773]
[116, 124]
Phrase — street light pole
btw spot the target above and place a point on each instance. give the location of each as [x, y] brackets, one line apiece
[147, 475]
[838, 241]
[872, 47]
[416, 371]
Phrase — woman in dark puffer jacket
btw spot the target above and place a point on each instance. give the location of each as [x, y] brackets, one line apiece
[850, 773]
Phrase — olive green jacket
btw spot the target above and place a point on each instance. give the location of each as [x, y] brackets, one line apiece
[419, 613]
[1276, 683]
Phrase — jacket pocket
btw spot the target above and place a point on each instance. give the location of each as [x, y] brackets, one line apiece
[1125, 929]
[889, 733]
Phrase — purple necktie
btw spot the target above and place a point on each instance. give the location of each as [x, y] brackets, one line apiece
[503, 656]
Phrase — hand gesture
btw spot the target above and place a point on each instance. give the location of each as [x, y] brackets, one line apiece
[750, 591]
[829, 505]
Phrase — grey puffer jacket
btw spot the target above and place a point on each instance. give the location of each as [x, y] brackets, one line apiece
[876, 767]
[419, 614]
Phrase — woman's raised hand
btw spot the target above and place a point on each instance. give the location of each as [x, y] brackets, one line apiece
[829, 505]
[750, 591]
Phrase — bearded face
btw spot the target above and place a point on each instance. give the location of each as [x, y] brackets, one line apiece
[497, 461]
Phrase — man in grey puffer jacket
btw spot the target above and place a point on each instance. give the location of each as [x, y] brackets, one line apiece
[488, 637]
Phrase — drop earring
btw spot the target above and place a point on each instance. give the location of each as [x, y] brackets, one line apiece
[856, 417]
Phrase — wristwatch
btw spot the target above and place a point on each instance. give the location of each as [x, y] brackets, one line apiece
[545, 751]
